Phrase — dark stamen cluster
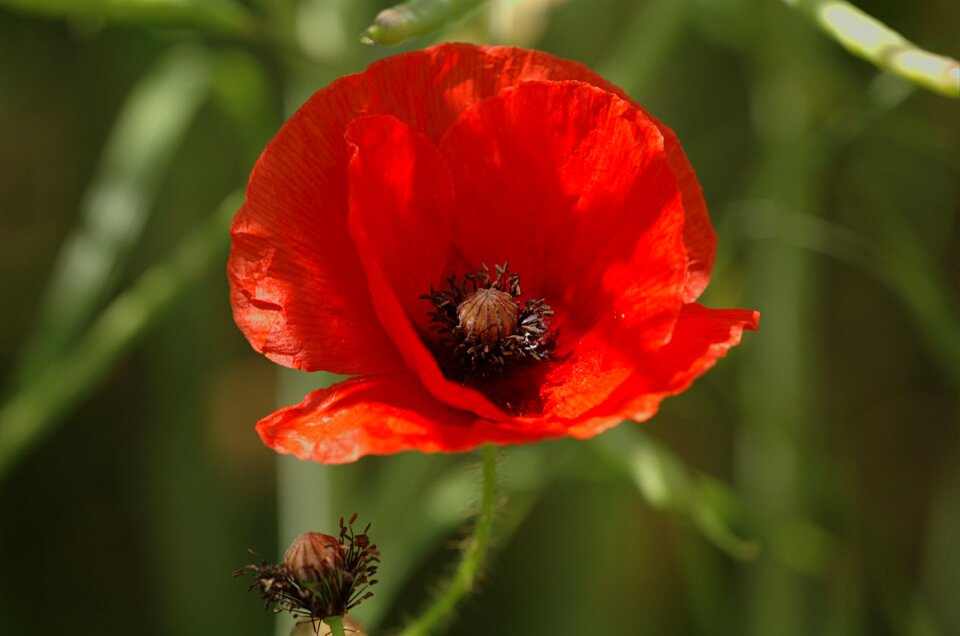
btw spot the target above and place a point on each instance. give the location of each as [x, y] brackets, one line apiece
[321, 580]
[484, 328]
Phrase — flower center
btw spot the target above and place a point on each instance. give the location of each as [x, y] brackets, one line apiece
[485, 329]
[489, 314]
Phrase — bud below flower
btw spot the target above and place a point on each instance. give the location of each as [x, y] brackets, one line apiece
[321, 576]
[312, 555]
[488, 313]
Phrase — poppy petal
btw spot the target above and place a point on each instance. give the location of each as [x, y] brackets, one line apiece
[428, 90]
[571, 185]
[382, 415]
[431, 163]
[297, 286]
[401, 205]
[699, 238]
[702, 336]
[298, 189]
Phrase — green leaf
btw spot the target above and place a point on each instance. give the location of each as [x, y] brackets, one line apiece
[118, 202]
[868, 38]
[900, 263]
[415, 18]
[33, 411]
[648, 40]
[222, 17]
[666, 484]
[241, 90]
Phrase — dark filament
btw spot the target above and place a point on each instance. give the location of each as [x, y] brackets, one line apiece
[484, 329]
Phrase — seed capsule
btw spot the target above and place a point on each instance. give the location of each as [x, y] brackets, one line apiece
[312, 555]
[490, 314]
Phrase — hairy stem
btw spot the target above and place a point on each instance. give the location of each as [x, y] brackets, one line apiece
[473, 556]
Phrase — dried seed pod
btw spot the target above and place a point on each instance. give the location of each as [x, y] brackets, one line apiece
[321, 576]
[490, 314]
[312, 555]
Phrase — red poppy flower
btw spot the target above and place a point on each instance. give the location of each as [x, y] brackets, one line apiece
[375, 237]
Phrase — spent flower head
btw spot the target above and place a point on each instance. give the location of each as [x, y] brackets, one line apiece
[321, 576]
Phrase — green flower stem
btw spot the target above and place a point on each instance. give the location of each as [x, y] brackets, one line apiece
[335, 623]
[870, 39]
[33, 411]
[473, 556]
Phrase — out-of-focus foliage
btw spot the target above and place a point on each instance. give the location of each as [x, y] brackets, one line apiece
[222, 17]
[809, 485]
[867, 37]
[415, 18]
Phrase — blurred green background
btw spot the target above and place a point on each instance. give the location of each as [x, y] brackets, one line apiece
[808, 485]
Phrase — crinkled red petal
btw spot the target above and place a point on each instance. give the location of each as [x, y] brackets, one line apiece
[382, 415]
[571, 184]
[401, 220]
[702, 336]
[388, 414]
[296, 285]
[428, 89]
[401, 207]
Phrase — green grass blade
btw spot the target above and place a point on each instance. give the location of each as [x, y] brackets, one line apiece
[221, 17]
[33, 411]
[899, 263]
[653, 32]
[868, 38]
[117, 204]
[666, 484]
